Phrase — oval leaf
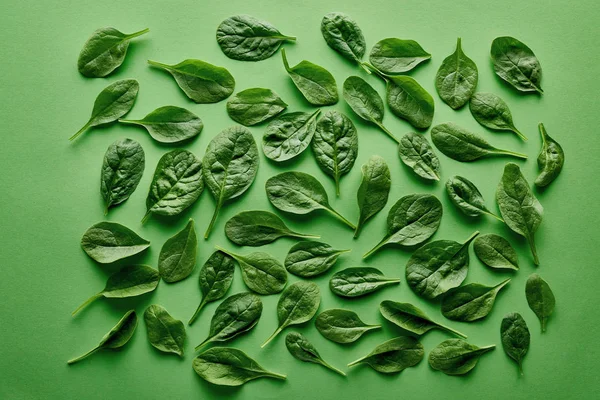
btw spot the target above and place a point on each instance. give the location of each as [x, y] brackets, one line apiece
[467, 198]
[493, 113]
[394, 356]
[309, 259]
[470, 302]
[343, 35]
[540, 298]
[289, 135]
[515, 63]
[515, 338]
[354, 282]
[456, 79]
[257, 228]
[408, 100]
[177, 258]
[456, 356]
[496, 252]
[395, 56]
[170, 124]
[255, 105]
[107, 242]
[411, 318]
[550, 160]
[164, 332]
[342, 326]
[316, 84]
[373, 191]
[299, 347]
[416, 152]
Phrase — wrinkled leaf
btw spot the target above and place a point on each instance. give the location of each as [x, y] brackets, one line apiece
[515, 338]
[299, 347]
[467, 198]
[408, 100]
[493, 113]
[394, 356]
[470, 302]
[373, 191]
[456, 79]
[316, 84]
[177, 258]
[289, 135]
[416, 152]
[308, 259]
[164, 332]
[496, 252]
[354, 282]
[411, 318]
[540, 298]
[515, 63]
[255, 105]
[343, 35]
[456, 356]
[550, 160]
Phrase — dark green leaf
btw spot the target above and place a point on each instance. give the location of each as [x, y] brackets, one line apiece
[411, 318]
[343, 35]
[289, 135]
[354, 282]
[316, 84]
[456, 357]
[550, 160]
[164, 332]
[177, 257]
[394, 356]
[395, 56]
[342, 326]
[515, 338]
[493, 113]
[496, 252]
[308, 259]
[299, 347]
[470, 302]
[255, 105]
[515, 63]
[456, 79]
[373, 191]
[170, 124]
[540, 298]
[416, 152]
[467, 198]
[107, 242]
[409, 101]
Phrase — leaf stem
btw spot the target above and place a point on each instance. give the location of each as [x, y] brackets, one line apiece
[159, 65]
[129, 121]
[79, 132]
[304, 236]
[229, 253]
[276, 375]
[344, 220]
[202, 303]
[374, 249]
[136, 34]
[87, 303]
[523, 137]
[353, 363]
[361, 63]
[272, 336]
[536, 260]
[473, 236]
[81, 357]
[390, 134]
[214, 218]
[491, 214]
[511, 153]
[454, 331]
[146, 216]
[332, 368]
[205, 342]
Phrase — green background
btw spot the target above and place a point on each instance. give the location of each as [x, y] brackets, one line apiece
[50, 196]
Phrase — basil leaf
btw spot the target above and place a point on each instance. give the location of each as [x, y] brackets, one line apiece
[411, 221]
[122, 170]
[229, 367]
[299, 347]
[200, 81]
[493, 113]
[515, 338]
[550, 160]
[177, 258]
[215, 279]
[229, 166]
[261, 272]
[299, 193]
[515, 63]
[289, 135]
[520, 209]
[416, 152]
[373, 191]
[411, 318]
[354, 282]
[104, 52]
[298, 303]
[309, 259]
[438, 266]
[170, 124]
[116, 338]
[343, 35]
[467, 198]
[237, 314]
[316, 84]
[394, 356]
[365, 102]
[177, 183]
[496, 252]
[461, 145]
[470, 302]
[395, 56]
[408, 100]
[129, 281]
[456, 356]
[112, 103]
[540, 298]
[107, 242]
[245, 38]
[164, 332]
[335, 145]
[342, 326]
[456, 79]
[255, 105]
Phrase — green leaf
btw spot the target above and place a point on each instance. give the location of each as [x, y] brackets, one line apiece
[395, 56]
[550, 160]
[496, 252]
[289, 135]
[373, 191]
[515, 338]
[170, 124]
[456, 79]
[164, 332]
[316, 84]
[409, 101]
[411, 318]
[342, 326]
[493, 113]
[467, 198]
[355, 282]
[177, 258]
[343, 35]
[540, 298]
[299, 347]
[309, 259]
[470, 302]
[416, 152]
[255, 105]
[394, 356]
[515, 63]
[107, 242]
[456, 356]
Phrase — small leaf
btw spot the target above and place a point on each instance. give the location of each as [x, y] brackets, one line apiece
[411, 318]
[107, 242]
[394, 356]
[493, 113]
[164, 332]
[177, 258]
[374, 190]
[550, 160]
[289, 135]
[515, 63]
[303, 350]
[316, 84]
[515, 337]
[496, 252]
[467, 198]
[343, 35]
[540, 298]
[416, 152]
[456, 356]
[409, 101]
[470, 302]
[456, 79]
[255, 105]
[309, 259]
[354, 282]
[395, 56]
[342, 326]
[170, 124]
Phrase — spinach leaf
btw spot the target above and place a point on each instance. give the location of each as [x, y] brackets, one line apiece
[496, 252]
[104, 52]
[335, 145]
[177, 258]
[470, 302]
[237, 314]
[540, 298]
[261, 272]
[257, 228]
[107, 242]
[245, 38]
[515, 338]
[164, 332]
[411, 221]
[343, 35]
[299, 193]
[342, 326]
[229, 367]
[461, 145]
[408, 100]
[129, 281]
[177, 183]
[394, 356]
[255, 105]
[298, 303]
[122, 170]
[416, 152]
[456, 79]
[354, 282]
[493, 113]
[456, 356]
[467, 198]
[308, 259]
[411, 318]
[215, 279]
[229, 166]
[395, 56]
[299, 347]
[170, 124]
[316, 84]
[200, 81]
[112, 103]
[373, 191]
[520, 209]
[289, 135]
[438, 266]
[515, 63]
[116, 338]
[550, 160]
[365, 102]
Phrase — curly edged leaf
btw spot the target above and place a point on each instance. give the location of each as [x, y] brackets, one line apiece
[456, 356]
[515, 338]
[299, 347]
[416, 152]
[245, 38]
[316, 84]
[344, 35]
[550, 160]
[411, 318]
[456, 79]
[177, 258]
[493, 113]
[165, 333]
[170, 124]
[354, 282]
[394, 356]
[408, 100]
[107, 242]
[540, 298]
[289, 135]
[496, 252]
[470, 302]
[396, 56]
[342, 326]
[309, 259]
[255, 105]
[467, 198]
[515, 63]
[373, 191]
